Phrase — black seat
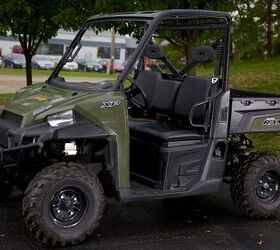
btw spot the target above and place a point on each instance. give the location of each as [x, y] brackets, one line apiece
[147, 80]
[162, 132]
[182, 97]
[193, 90]
[161, 93]
[134, 123]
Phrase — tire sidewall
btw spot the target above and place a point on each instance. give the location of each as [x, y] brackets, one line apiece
[250, 186]
[90, 214]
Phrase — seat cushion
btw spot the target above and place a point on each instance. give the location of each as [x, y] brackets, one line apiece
[163, 132]
[139, 122]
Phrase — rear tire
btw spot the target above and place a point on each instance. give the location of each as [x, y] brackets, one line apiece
[63, 204]
[255, 186]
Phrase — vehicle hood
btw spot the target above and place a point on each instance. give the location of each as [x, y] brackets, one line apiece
[32, 101]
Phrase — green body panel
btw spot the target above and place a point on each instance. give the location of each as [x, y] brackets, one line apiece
[36, 103]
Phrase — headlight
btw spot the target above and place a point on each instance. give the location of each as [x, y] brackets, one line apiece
[62, 118]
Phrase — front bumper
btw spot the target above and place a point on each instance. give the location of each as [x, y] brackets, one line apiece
[36, 136]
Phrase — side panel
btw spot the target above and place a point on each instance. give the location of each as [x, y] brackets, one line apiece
[253, 115]
[113, 119]
[167, 168]
[216, 159]
[220, 119]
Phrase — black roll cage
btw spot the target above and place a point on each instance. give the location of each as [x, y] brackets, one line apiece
[153, 19]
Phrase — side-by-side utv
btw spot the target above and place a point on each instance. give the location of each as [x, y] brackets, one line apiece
[168, 126]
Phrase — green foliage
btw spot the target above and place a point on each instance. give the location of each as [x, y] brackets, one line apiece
[256, 22]
[257, 27]
[41, 19]
[181, 40]
[34, 21]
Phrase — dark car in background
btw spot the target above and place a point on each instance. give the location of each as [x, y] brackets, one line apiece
[87, 64]
[104, 63]
[17, 49]
[14, 61]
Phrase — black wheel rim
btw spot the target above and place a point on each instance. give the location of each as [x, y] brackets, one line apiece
[68, 207]
[267, 186]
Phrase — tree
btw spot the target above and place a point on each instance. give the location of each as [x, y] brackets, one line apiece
[269, 10]
[257, 25]
[182, 40]
[34, 21]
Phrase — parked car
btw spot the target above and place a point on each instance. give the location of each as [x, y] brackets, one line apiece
[42, 62]
[87, 64]
[14, 61]
[104, 63]
[71, 66]
[55, 58]
[17, 49]
[118, 67]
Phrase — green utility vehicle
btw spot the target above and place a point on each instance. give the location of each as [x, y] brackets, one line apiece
[154, 132]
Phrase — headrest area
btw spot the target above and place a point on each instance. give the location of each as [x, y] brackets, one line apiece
[203, 54]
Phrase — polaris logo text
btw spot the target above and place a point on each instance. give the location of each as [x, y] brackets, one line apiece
[271, 122]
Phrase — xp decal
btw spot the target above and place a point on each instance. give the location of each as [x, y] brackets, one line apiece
[110, 104]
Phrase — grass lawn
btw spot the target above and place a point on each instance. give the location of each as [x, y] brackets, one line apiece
[21, 72]
[262, 76]
[6, 96]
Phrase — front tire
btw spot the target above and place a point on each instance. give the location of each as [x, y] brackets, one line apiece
[63, 204]
[255, 186]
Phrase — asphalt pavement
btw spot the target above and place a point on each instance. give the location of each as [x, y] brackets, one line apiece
[204, 222]
[12, 83]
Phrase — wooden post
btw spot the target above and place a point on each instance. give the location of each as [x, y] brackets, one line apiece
[113, 48]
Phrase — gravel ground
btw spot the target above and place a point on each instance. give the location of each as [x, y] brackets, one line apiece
[205, 222]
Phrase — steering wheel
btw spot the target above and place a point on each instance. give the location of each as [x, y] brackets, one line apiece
[133, 91]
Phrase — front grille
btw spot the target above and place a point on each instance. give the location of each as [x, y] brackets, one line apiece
[8, 120]
[12, 118]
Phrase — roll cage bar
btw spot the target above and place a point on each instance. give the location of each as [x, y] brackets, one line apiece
[153, 19]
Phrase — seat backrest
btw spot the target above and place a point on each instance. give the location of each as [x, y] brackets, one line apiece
[193, 90]
[165, 95]
[147, 80]
[161, 93]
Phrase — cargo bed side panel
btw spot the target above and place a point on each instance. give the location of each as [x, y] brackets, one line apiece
[253, 115]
